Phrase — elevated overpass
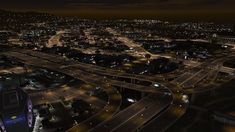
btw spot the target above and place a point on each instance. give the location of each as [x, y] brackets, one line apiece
[114, 97]
[107, 111]
[227, 70]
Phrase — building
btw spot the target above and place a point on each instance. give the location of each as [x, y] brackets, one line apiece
[15, 110]
[223, 39]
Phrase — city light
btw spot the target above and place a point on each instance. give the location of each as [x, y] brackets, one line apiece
[100, 66]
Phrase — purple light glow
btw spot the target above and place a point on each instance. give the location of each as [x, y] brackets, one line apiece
[30, 114]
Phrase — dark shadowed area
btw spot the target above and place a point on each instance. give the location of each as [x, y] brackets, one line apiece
[186, 9]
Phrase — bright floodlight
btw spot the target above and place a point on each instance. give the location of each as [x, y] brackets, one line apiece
[131, 100]
[156, 85]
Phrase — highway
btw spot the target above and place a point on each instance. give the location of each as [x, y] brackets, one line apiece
[100, 70]
[192, 77]
[136, 115]
[162, 108]
[114, 96]
[168, 117]
[97, 69]
[87, 67]
[161, 120]
[178, 107]
[76, 69]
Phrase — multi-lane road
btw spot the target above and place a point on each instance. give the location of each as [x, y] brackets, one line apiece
[156, 112]
[136, 115]
[163, 105]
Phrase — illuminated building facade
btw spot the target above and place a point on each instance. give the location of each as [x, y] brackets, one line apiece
[16, 110]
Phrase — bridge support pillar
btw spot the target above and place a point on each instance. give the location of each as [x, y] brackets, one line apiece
[193, 97]
[121, 89]
[132, 81]
[143, 94]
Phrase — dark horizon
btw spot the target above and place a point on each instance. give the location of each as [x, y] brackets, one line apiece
[221, 10]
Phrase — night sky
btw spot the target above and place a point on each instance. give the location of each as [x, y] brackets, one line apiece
[140, 8]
